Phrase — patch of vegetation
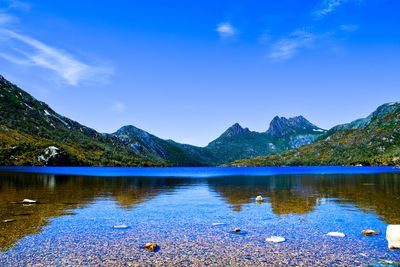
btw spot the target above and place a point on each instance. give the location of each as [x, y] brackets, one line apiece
[30, 126]
[376, 144]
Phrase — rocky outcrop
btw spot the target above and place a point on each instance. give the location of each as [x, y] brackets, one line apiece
[235, 130]
[239, 143]
[49, 153]
[281, 126]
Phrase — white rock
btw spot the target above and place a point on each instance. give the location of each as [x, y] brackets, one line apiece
[275, 239]
[30, 201]
[120, 226]
[393, 236]
[48, 153]
[259, 199]
[336, 234]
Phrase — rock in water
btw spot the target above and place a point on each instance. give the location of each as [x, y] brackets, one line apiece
[370, 232]
[216, 224]
[393, 236]
[120, 226]
[389, 263]
[259, 199]
[237, 230]
[275, 239]
[28, 201]
[336, 234]
[150, 247]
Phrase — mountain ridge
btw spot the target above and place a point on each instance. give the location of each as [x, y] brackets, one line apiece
[240, 142]
[374, 140]
[128, 146]
[281, 126]
[33, 134]
[80, 145]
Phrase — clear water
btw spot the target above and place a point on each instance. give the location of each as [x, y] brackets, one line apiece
[176, 208]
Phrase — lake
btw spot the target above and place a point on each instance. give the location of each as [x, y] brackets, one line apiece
[191, 212]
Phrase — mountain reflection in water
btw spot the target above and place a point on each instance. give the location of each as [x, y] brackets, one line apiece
[59, 195]
[299, 194]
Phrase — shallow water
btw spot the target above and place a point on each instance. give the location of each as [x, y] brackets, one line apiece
[177, 207]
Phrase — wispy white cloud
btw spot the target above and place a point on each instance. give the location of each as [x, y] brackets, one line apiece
[118, 107]
[18, 4]
[15, 60]
[6, 6]
[29, 51]
[5, 18]
[349, 27]
[287, 47]
[328, 6]
[226, 30]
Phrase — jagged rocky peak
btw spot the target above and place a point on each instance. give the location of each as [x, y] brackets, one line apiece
[281, 126]
[236, 129]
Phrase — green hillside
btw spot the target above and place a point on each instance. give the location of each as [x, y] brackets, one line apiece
[374, 140]
[30, 126]
[33, 134]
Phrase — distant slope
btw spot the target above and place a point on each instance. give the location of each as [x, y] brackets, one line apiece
[23, 115]
[30, 127]
[166, 150]
[374, 140]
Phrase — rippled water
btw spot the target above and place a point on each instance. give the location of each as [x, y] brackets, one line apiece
[176, 208]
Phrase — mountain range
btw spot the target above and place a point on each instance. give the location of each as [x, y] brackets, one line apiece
[33, 134]
[374, 140]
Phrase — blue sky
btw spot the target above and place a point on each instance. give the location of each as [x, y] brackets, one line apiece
[187, 70]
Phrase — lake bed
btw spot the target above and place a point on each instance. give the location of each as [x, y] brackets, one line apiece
[191, 212]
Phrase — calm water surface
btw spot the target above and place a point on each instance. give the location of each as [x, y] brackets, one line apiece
[177, 207]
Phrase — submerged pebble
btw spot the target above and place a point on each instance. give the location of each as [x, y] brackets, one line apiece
[120, 226]
[370, 232]
[275, 239]
[336, 234]
[150, 247]
[9, 220]
[390, 263]
[28, 201]
[259, 199]
[216, 224]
